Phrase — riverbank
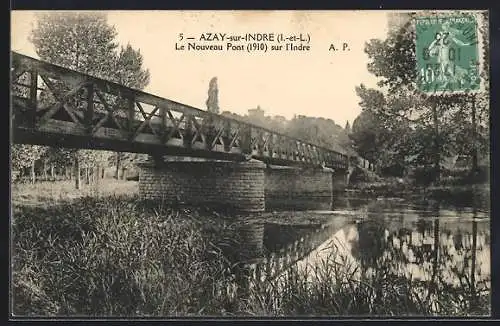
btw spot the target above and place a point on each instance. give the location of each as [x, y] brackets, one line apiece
[474, 195]
[47, 193]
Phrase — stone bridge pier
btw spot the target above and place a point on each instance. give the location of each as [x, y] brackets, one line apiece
[294, 186]
[233, 185]
[247, 186]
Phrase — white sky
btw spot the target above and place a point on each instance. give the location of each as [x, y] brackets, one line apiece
[316, 83]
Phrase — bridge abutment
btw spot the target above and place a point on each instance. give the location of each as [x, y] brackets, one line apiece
[235, 185]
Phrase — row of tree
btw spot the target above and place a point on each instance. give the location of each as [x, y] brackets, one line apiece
[400, 129]
[85, 42]
[34, 162]
[321, 131]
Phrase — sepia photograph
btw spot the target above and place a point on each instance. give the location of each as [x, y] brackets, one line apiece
[181, 163]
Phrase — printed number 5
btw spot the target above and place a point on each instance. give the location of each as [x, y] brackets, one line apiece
[181, 36]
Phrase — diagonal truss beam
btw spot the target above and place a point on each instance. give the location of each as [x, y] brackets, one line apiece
[147, 121]
[235, 135]
[60, 102]
[109, 114]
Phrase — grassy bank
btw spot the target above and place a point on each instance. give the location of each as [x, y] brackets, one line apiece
[114, 257]
[53, 193]
[119, 256]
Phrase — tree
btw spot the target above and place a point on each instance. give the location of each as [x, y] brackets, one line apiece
[365, 135]
[129, 72]
[24, 156]
[124, 161]
[385, 133]
[394, 58]
[393, 61]
[81, 41]
[278, 123]
[319, 131]
[373, 132]
[347, 127]
[52, 157]
[213, 96]
[84, 41]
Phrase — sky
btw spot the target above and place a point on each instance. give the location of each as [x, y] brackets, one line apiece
[318, 83]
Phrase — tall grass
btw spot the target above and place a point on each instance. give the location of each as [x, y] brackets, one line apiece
[338, 286]
[113, 257]
[118, 256]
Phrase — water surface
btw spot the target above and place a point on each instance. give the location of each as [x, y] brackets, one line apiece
[442, 250]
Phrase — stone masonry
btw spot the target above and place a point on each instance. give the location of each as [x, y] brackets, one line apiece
[237, 185]
[243, 186]
[292, 183]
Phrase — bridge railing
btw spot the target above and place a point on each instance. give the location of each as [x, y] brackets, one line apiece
[49, 99]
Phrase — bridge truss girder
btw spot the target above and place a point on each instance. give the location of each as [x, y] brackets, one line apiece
[55, 106]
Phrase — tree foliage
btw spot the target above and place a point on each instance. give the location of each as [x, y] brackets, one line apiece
[365, 134]
[319, 131]
[347, 127]
[23, 156]
[81, 41]
[401, 126]
[129, 70]
[213, 96]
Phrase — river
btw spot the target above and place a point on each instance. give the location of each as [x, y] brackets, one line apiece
[443, 252]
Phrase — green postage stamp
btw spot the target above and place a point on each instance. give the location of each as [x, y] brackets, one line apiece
[447, 53]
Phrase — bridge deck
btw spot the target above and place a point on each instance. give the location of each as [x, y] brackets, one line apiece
[55, 106]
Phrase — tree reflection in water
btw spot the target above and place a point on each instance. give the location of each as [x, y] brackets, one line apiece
[439, 261]
[395, 259]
